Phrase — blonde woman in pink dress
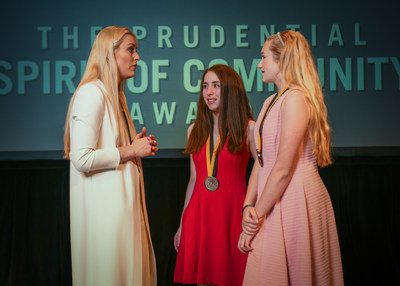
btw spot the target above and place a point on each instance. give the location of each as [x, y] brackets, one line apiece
[289, 227]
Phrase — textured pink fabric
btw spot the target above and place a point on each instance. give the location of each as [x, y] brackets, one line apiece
[298, 242]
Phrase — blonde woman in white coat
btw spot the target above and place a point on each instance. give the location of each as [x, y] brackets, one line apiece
[110, 236]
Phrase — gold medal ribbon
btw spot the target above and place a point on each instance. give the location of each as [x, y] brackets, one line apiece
[211, 161]
[272, 102]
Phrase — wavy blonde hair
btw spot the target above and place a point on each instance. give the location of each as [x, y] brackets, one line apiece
[299, 70]
[102, 66]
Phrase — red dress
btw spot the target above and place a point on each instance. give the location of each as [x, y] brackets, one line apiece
[211, 224]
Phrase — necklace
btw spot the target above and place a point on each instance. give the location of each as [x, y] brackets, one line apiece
[267, 110]
[211, 183]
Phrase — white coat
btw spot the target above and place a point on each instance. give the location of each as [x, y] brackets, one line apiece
[110, 237]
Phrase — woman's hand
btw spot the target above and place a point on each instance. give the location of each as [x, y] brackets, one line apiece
[141, 146]
[177, 239]
[251, 223]
[244, 243]
[144, 145]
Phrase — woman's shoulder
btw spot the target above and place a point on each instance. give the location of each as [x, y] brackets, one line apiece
[250, 124]
[92, 87]
[250, 128]
[295, 102]
[295, 95]
[189, 130]
[90, 93]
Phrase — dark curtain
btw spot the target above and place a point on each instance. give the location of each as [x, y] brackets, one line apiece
[34, 218]
[34, 223]
[365, 193]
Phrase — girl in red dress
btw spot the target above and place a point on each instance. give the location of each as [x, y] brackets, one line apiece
[219, 143]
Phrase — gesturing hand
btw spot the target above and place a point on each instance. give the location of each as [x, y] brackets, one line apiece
[144, 145]
[141, 146]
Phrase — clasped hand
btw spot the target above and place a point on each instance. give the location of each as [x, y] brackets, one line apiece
[251, 224]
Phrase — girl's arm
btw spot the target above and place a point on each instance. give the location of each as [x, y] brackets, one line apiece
[189, 192]
[294, 126]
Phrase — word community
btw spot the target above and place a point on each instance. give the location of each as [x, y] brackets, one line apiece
[61, 77]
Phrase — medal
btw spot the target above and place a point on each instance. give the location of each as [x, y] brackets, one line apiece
[259, 156]
[211, 183]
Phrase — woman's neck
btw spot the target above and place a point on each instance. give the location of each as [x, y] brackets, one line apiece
[281, 85]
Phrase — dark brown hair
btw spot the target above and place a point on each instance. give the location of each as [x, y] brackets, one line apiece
[234, 113]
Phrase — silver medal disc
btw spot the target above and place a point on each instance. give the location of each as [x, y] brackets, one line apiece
[211, 183]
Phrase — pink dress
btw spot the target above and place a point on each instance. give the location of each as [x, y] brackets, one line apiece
[298, 242]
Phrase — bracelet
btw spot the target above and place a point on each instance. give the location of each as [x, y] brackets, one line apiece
[249, 205]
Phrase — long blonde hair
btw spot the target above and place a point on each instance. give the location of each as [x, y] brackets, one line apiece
[299, 70]
[102, 66]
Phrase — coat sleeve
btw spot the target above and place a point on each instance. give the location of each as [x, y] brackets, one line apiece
[87, 116]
